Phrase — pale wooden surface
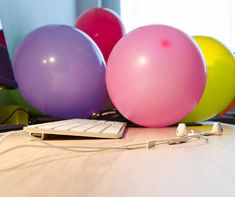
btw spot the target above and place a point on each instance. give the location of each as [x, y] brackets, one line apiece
[191, 169]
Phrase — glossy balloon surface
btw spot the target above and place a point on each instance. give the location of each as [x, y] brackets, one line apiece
[103, 26]
[155, 75]
[220, 86]
[61, 72]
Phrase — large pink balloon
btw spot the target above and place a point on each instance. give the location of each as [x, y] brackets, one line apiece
[155, 75]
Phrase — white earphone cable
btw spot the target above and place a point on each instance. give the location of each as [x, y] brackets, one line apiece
[87, 148]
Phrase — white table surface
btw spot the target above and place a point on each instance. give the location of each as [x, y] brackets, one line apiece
[189, 169]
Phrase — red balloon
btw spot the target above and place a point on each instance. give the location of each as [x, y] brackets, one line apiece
[103, 26]
[2, 38]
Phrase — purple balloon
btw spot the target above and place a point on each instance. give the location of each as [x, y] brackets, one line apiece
[61, 72]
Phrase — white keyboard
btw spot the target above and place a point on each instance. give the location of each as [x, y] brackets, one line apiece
[79, 127]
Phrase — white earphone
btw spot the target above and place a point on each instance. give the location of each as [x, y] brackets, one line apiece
[182, 130]
[217, 129]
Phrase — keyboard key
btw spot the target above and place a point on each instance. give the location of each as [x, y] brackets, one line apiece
[83, 127]
[69, 126]
[116, 126]
[99, 128]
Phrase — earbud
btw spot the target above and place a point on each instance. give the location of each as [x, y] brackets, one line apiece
[181, 130]
[217, 129]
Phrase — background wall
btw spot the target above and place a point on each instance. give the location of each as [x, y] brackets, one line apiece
[21, 17]
[83, 5]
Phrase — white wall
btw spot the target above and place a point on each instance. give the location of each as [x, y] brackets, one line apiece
[19, 17]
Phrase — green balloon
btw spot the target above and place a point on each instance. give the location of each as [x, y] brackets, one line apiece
[21, 102]
[6, 98]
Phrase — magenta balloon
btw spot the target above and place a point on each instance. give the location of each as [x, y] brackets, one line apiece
[155, 75]
[60, 71]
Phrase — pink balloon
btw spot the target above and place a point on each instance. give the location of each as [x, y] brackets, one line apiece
[155, 75]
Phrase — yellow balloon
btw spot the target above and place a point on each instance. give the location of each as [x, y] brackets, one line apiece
[220, 86]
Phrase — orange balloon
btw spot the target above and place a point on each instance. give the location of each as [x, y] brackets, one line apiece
[230, 106]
